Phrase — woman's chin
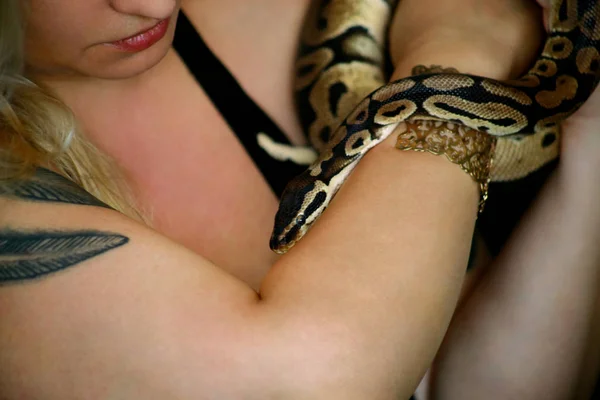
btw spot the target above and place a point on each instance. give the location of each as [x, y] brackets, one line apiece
[132, 65]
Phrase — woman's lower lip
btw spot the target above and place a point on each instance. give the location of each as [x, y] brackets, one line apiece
[143, 40]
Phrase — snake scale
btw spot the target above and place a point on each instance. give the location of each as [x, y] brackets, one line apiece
[347, 108]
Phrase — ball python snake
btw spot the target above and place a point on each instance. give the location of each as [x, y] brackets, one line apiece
[347, 108]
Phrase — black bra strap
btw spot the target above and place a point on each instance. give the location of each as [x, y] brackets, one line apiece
[241, 113]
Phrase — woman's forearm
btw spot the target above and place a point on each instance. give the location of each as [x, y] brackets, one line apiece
[380, 273]
[527, 328]
[415, 221]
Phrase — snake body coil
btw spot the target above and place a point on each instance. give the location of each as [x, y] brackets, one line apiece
[341, 62]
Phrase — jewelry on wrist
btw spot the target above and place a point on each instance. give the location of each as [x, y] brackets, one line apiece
[470, 149]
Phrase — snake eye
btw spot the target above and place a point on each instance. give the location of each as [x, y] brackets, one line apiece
[300, 219]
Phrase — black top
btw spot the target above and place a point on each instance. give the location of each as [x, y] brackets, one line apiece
[245, 118]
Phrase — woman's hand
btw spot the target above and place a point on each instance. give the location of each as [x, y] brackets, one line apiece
[496, 39]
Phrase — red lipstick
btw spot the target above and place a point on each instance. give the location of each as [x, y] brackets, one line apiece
[143, 40]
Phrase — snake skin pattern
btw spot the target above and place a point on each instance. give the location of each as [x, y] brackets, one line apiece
[347, 108]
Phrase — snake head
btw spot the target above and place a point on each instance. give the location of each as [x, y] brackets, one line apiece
[302, 201]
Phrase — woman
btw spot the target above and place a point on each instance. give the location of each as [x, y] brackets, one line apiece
[145, 317]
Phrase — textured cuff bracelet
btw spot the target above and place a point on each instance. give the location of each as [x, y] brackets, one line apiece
[469, 148]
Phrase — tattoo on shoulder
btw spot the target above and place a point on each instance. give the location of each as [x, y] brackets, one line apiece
[47, 186]
[32, 255]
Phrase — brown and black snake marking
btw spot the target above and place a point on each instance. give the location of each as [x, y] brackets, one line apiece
[342, 37]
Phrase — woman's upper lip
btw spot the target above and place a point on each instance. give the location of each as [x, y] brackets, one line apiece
[138, 33]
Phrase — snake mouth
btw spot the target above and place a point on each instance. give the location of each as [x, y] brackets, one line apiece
[281, 246]
[282, 240]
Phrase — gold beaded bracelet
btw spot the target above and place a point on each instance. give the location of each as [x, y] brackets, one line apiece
[472, 150]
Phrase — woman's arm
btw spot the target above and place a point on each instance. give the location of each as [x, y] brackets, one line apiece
[531, 328]
[137, 316]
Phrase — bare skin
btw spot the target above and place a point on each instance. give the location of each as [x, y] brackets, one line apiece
[229, 194]
[235, 202]
[155, 320]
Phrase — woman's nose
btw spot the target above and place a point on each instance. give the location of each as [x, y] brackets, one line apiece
[156, 9]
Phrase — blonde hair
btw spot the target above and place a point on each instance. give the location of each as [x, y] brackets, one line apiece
[37, 129]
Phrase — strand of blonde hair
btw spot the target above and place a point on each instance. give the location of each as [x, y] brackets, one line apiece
[38, 130]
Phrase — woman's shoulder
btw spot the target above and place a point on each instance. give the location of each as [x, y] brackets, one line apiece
[78, 278]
